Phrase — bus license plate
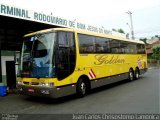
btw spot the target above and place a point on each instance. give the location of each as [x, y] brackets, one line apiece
[30, 90]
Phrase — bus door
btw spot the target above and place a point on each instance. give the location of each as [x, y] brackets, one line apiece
[66, 54]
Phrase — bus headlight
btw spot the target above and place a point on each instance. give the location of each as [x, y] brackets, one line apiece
[42, 84]
[19, 83]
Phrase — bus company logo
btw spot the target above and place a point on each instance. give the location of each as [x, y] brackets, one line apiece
[106, 59]
[91, 74]
[139, 63]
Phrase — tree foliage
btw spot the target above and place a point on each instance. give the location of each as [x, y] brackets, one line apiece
[118, 30]
[121, 30]
[144, 40]
[156, 53]
[157, 36]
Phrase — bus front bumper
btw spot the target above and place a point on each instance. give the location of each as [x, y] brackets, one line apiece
[50, 92]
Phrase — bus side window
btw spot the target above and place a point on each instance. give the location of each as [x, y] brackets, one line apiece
[141, 49]
[86, 43]
[102, 45]
[123, 47]
[115, 46]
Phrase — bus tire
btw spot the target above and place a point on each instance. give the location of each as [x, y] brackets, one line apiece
[136, 74]
[81, 88]
[131, 75]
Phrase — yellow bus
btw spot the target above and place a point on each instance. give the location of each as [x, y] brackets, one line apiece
[62, 61]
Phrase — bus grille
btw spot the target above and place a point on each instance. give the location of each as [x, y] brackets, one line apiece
[35, 83]
[26, 83]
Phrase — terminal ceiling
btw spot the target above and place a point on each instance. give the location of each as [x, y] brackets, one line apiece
[12, 30]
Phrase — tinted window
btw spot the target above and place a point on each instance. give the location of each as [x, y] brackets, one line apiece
[62, 39]
[102, 45]
[115, 46]
[132, 48]
[140, 49]
[66, 54]
[93, 44]
[124, 48]
[86, 43]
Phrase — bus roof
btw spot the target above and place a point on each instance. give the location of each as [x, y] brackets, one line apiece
[85, 32]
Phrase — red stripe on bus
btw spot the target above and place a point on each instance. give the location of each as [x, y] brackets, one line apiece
[93, 73]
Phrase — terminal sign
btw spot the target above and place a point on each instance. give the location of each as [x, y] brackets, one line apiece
[11, 11]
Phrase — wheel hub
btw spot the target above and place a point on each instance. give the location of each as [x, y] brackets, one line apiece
[83, 88]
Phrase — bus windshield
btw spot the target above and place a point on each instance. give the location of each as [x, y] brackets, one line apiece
[37, 57]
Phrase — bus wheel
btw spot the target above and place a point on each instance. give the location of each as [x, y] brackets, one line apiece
[136, 74]
[81, 88]
[131, 75]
